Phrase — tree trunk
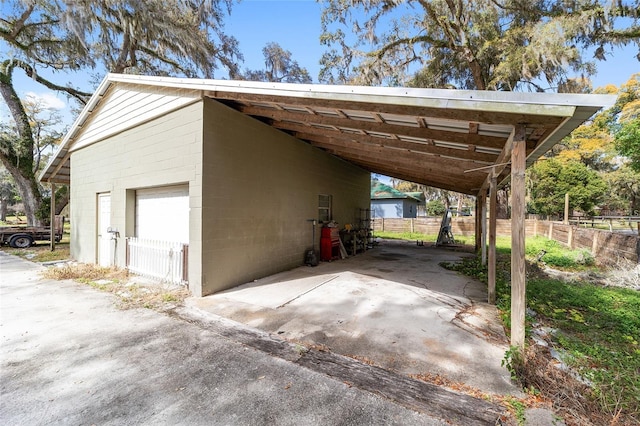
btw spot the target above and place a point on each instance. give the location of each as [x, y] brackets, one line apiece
[447, 203]
[503, 204]
[29, 192]
[61, 203]
[4, 204]
[17, 154]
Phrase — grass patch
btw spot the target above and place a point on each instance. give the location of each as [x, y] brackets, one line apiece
[130, 294]
[41, 252]
[555, 254]
[596, 330]
[502, 243]
[406, 236]
[539, 248]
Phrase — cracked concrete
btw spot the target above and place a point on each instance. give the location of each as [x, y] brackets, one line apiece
[393, 306]
[68, 356]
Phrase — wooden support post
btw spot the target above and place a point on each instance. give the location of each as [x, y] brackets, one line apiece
[535, 226]
[550, 236]
[483, 227]
[493, 211]
[566, 208]
[52, 214]
[478, 239]
[518, 275]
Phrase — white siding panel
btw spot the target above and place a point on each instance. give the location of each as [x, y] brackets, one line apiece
[163, 213]
[124, 108]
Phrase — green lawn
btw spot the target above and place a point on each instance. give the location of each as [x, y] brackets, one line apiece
[595, 329]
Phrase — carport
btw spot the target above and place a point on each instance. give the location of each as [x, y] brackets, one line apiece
[470, 142]
[465, 141]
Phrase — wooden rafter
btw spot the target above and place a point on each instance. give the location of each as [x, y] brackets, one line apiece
[415, 175]
[481, 116]
[417, 132]
[338, 138]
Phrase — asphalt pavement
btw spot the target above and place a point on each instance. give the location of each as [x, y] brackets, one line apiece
[68, 355]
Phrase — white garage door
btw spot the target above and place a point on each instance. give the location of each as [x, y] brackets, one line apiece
[162, 213]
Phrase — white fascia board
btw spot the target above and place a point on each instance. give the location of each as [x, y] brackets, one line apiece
[75, 127]
[561, 105]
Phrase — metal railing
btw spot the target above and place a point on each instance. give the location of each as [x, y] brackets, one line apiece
[162, 260]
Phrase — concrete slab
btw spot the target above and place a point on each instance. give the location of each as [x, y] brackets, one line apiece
[270, 292]
[393, 306]
[68, 356]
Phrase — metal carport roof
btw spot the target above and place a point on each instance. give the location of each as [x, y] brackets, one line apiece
[437, 137]
[463, 141]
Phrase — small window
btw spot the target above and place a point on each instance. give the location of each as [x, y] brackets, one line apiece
[324, 208]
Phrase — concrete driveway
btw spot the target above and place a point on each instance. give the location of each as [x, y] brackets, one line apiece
[393, 306]
[68, 356]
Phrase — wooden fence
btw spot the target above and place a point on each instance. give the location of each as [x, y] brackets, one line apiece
[606, 247]
[464, 226]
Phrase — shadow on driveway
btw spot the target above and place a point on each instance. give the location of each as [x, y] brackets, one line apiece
[393, 306]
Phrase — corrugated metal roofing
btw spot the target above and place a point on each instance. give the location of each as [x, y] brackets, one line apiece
[442, 138]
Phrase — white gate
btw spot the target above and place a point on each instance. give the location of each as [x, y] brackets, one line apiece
[162, 260]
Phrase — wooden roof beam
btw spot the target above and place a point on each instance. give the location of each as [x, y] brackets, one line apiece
[500, 164]
[416, 132]
[476, 115]
[413, 176]
[432, 166]
[312, 134]
[436, 164]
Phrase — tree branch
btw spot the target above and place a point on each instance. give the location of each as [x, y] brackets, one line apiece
[82, 97]
[408, 42]
[19, 24]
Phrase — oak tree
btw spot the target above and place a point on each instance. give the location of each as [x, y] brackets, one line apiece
[471, 44]
[550, 179]
[279, 67]
[40, 38]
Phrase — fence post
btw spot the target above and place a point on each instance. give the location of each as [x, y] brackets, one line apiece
[412, 228]
[535, 226]
[570, 237]
[127, 255]
[185, 263]
[383, 223]
[594, 243]
[550, 236]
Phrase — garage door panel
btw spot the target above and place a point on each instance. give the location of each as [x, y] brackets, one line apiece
[162, 213]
